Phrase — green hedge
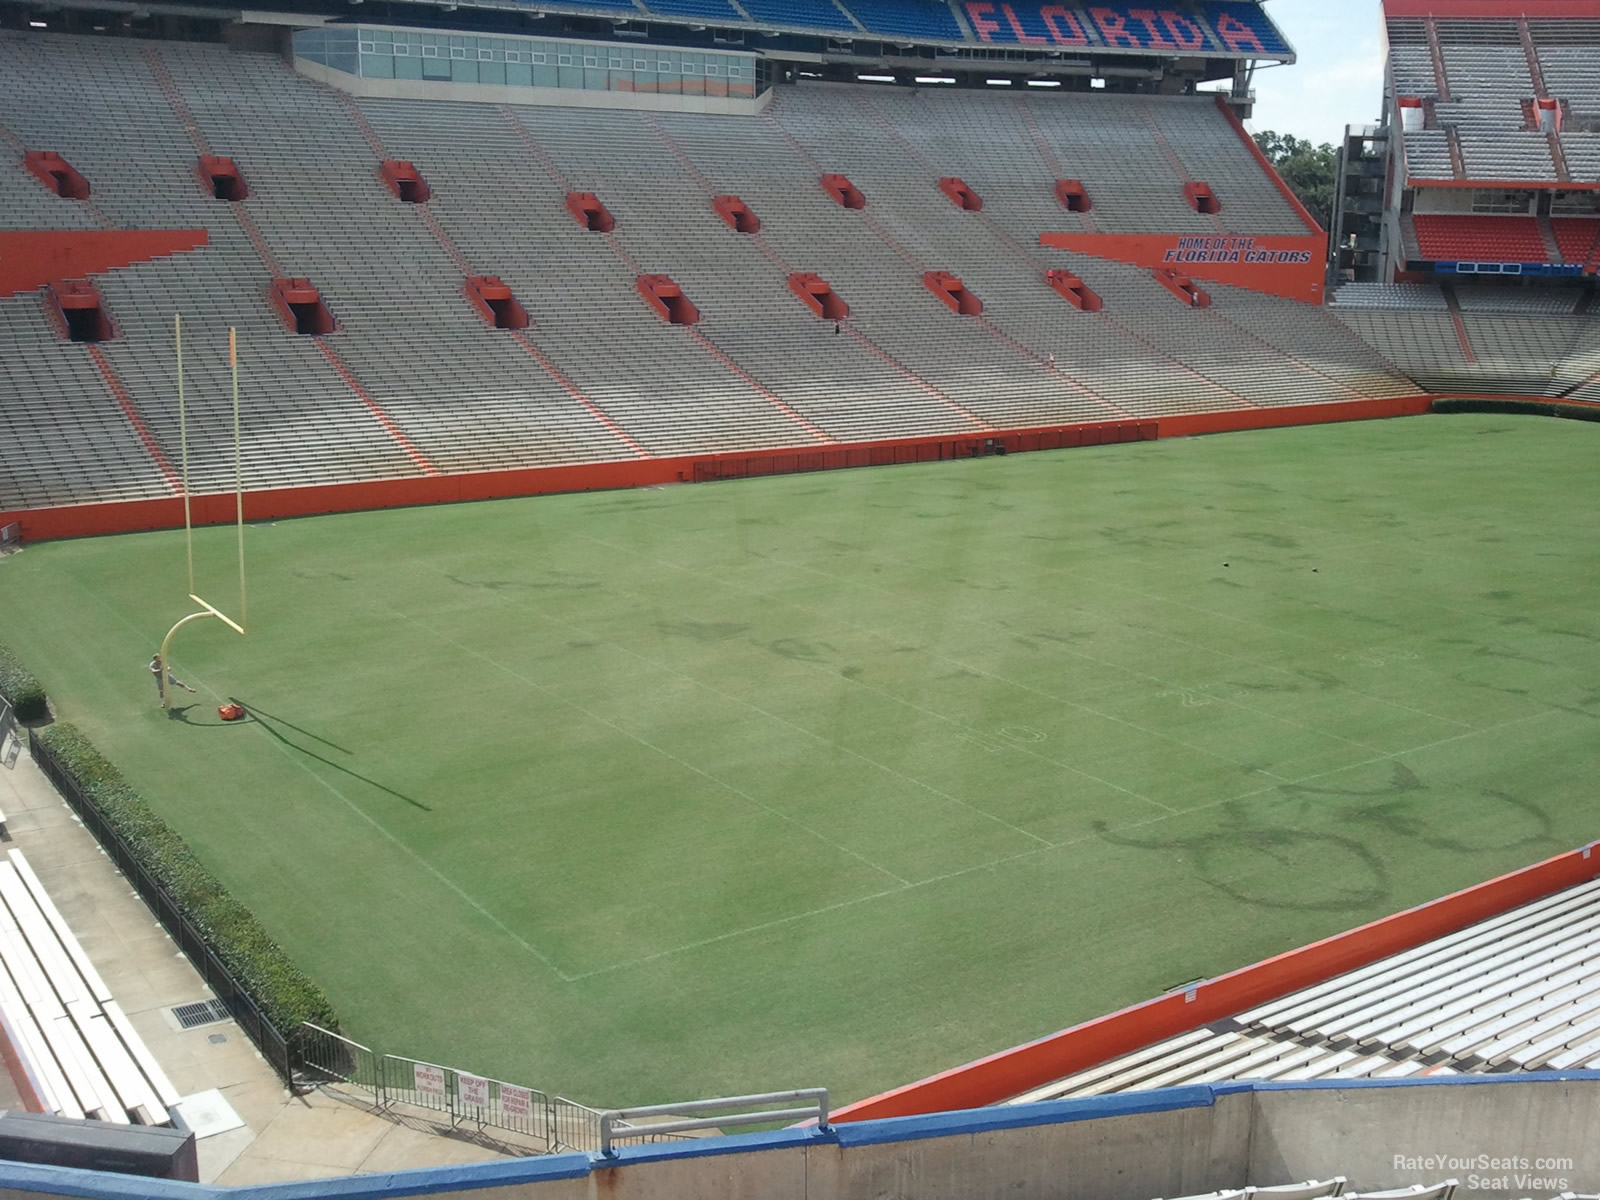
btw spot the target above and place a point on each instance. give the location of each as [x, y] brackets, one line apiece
[18, 685]
[261, 966]
[1532, 408]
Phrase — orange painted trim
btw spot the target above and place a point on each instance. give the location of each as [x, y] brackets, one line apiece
[130, 516]
[1272, 172]
[1023, 1068]
[1290, 267]
[31, 258]
[1236, 420]
[12, 1062]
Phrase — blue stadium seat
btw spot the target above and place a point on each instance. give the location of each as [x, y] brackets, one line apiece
[908, 18]
[712, 10]
[808, 14]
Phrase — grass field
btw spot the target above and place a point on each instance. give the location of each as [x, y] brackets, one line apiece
[842, 779]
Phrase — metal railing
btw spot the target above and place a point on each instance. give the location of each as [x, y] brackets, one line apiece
[459, 1097]
[328, 1057]
[617, 1124]
[271, 1041]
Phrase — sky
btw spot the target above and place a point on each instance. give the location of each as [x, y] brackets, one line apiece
[1338, 79]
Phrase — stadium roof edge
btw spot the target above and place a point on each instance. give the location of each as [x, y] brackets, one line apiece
[1029, 33]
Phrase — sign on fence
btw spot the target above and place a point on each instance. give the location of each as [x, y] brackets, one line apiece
[515, 1101]
[429, 1080]
[471, 1089]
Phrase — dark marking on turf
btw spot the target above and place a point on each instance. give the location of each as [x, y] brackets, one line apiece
[342, 578]
[1402, 780]
[1324, 681]
[1249, 686]
[584, 645]
[799, 650]
[1276, 540]
[1069, 638]
[524, 585]
[1498, 594]
[1491, 652]
[1516, 823]
[851, 672]
[1515, 619]
[1022, 641]
[984, 587]
[1273, 867]
[756, 521]
[1573, 633]
[703, 631]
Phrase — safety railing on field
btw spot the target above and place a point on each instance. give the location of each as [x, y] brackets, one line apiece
[618, 1125]
[457, 1097]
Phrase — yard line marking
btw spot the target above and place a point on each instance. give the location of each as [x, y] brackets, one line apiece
[1155, 733]
[964, 728]
[425, 864]
[801, 729]
[1118, 666]
[1193, 644]
[1455, 737]
[664, 753]
[365, 816]
[771, 716]
[1008, 859]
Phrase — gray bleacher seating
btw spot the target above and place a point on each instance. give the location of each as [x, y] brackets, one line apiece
[1519, 991]
[413, 379]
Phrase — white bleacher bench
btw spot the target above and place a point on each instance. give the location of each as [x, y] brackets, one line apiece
[1417, 1191]
[82, 1054]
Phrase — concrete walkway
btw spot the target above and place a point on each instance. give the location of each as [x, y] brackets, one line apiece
[250, 1128]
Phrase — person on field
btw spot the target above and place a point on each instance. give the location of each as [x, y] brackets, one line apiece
[155, 669]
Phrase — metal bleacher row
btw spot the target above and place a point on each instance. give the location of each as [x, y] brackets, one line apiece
[413, 380]
[1516, 992]
[1488, 78]
[82, 1056]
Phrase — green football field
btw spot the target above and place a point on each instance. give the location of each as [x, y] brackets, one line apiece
[843, 779]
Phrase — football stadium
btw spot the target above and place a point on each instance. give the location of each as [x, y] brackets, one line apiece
[794, 598]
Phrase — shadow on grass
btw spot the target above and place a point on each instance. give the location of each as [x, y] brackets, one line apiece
[270, 723]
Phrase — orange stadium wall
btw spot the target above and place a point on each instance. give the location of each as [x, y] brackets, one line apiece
[1291, 267]
[1012, 1072]
[131, 516]
[31, 258]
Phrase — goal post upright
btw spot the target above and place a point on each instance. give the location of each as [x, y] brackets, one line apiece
[207, 610]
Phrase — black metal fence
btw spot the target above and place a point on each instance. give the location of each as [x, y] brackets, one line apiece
[272, 1043]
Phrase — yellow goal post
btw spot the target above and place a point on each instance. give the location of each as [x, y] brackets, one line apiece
[207, 609]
